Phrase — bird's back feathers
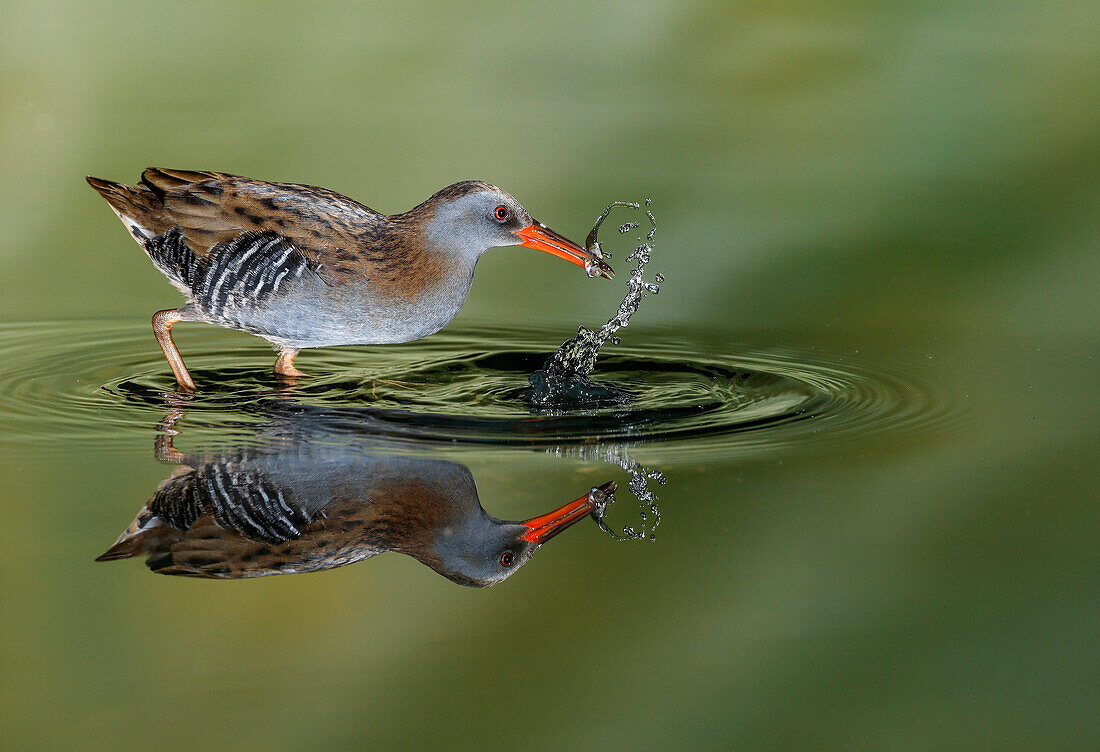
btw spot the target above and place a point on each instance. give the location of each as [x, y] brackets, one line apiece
[211, 208]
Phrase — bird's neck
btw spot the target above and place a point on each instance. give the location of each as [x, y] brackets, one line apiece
[400, 256]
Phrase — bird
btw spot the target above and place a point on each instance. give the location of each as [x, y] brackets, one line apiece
[304, 267]
[304, 506]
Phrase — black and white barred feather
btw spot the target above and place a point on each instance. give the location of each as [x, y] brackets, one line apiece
[242, 273]
[240, 499]
[173, 257]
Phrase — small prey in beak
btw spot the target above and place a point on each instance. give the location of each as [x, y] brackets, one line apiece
[539, 236]
[544, 527]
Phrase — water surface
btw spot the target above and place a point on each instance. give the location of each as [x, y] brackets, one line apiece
[813, 492]
[468, 387]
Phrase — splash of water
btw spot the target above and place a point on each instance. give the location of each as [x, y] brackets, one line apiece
[640, 476]
[563, 380]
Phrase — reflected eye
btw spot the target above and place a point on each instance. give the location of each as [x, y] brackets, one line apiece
[501, 213]
[507, 558]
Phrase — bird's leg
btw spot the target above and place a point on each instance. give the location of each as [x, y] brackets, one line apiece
[163, 321]
[284, 364]
[163, 444]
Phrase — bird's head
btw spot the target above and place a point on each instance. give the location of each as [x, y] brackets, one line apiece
[474, 216]
[485, 551]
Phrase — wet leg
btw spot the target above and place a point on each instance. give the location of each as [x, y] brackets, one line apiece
[163, 321]
[284, 364]
[163, 445]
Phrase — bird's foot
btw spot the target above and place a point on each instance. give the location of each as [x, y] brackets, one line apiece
[289, 373]
[284, 365]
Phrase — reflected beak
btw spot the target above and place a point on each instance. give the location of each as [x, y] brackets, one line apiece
[541, 237]
[543, 528]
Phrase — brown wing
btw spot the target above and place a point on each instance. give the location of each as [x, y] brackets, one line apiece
[213, 207]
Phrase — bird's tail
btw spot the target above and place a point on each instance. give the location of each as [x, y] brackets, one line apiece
[135, 538]
[143, 214]
[137, 206]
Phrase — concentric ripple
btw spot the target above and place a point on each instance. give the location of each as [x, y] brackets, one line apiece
[96, 381]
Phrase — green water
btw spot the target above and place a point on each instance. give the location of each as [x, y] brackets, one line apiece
[869, 377]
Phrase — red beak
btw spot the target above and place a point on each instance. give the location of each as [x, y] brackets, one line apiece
[544, 527]
[541, 237]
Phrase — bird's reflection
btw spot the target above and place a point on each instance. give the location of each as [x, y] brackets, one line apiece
[301, 504]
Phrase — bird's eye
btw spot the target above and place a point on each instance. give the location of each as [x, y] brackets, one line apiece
[507, 559]
[501, 213]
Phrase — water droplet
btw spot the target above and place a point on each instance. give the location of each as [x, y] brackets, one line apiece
[659, 277]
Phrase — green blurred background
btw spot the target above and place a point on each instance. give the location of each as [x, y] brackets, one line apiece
[919, 179]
